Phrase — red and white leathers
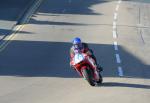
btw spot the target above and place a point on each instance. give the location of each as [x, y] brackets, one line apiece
[84, 49]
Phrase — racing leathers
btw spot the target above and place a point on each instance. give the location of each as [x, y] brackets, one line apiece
[84, 49]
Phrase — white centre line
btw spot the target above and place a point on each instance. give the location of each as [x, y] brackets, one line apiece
[114, 34]
[119, 2]
[117, 7]
[115, 16]
[120, 71]
[114, 25]
[116, 46]
[118, 60]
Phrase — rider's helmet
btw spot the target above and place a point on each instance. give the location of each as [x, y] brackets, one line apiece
[77, 43]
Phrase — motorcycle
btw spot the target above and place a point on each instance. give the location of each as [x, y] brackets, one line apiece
[86, 68]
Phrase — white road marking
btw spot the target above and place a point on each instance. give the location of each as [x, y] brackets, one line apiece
[116, 46]
[26, 19]
[31, 11]
[114, 34]
[114, 25]
[9, 38]
[119, 1]
[117, 7]
[115, 16]
[118, 60]
[120, 71]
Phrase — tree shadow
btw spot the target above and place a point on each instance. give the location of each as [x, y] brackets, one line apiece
[58, 23]
[141, 1]
[51, 59]
[5, 32]
[77, 7]
[11, 10]
[80, 7]
[134, 67]
[62, 7]
[17, 8]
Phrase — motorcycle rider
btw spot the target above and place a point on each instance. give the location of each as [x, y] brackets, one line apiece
[82, 47]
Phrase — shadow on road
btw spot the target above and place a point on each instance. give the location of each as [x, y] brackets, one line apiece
[51, 59]
[141, 1]
[62, 7]
[6, 32]
[58, 23]
[115, 84]
[80, 7]
[11, 11]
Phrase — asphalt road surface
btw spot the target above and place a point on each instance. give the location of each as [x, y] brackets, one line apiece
[11, 12]
[34, 67]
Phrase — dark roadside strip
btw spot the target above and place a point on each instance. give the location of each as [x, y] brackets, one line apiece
[24, 12]
[21, 20]
[17, 20]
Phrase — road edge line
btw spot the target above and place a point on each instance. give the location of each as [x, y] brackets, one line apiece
[21, 25]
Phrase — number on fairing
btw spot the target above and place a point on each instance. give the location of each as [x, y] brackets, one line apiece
[78, 58]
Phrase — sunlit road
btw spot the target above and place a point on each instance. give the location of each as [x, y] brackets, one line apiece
[34, 67]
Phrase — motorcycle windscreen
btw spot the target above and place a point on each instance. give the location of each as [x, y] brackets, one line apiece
[78, 58]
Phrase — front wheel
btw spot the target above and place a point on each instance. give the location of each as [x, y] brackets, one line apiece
[87, 74]
[100, 79]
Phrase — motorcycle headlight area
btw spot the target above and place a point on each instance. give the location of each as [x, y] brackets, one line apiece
[78, 58]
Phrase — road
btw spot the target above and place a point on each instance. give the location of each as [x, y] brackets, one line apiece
[11, 12]
[34, 67]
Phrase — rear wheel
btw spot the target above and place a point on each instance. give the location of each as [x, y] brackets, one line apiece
[87, 73]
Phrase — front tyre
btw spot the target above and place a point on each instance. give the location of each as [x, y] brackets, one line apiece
[87, 74]
[100, 79]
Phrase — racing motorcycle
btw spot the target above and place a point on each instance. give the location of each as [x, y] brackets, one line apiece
[86, 68]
